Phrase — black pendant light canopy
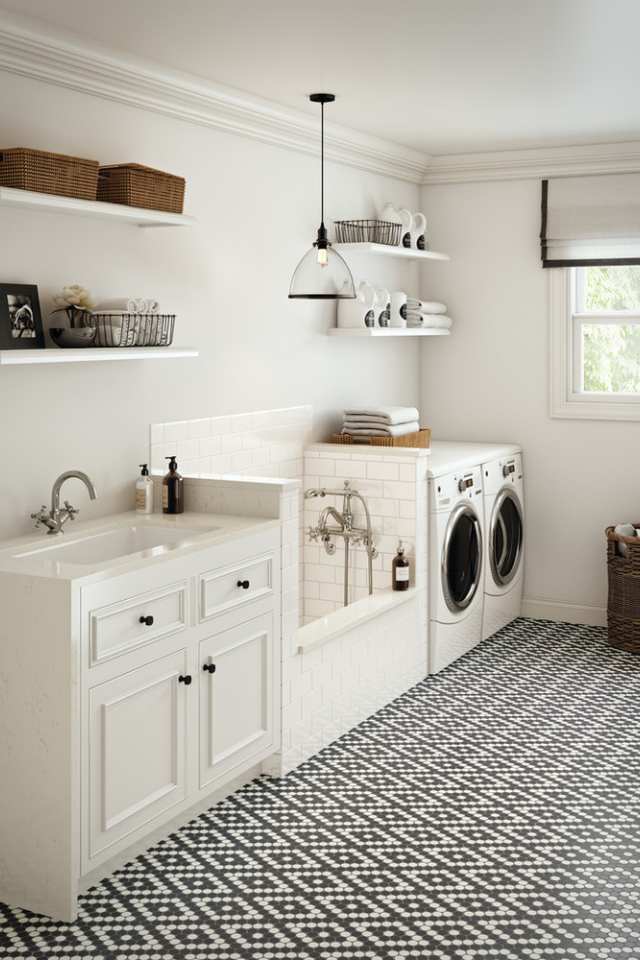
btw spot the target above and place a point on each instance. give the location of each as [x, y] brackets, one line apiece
[322, 274]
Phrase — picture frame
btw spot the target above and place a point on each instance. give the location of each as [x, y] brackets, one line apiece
[20, 318]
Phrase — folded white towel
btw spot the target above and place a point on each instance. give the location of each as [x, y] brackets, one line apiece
[436, 320]
[391, 415]
[390, 430]
[127, 305]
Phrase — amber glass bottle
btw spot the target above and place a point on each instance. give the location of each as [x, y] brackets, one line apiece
[400, 570]
[172, 489]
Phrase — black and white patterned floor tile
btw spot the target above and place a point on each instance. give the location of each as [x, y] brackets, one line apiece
[490, 812]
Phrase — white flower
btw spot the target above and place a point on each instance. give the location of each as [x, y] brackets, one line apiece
[74, 295]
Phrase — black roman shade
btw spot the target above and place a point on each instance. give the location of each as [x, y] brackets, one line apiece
[591, 221]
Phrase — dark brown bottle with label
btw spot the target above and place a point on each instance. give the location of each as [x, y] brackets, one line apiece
[172, 489]
[400, 570]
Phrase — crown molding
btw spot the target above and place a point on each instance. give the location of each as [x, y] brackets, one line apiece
[55, 60]
[534, 163]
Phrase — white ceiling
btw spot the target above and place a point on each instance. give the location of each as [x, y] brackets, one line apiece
[438, 75]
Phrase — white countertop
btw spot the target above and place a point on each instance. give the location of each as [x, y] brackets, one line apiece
[32, 555]
[447, 456]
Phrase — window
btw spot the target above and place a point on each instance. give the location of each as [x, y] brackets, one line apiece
[595, 342]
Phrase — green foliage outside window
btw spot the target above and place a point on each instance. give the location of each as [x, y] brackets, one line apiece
[611, 351]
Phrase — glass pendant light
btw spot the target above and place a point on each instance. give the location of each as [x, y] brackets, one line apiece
[322, 274]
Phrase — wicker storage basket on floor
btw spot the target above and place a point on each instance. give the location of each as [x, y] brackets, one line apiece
[420, 439]
[45, 172]
[623, 607]
[138, 186]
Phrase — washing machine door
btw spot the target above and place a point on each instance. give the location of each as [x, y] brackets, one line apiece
[461, 557]
[505, 537]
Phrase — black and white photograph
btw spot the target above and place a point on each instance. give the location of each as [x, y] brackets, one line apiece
[20, 320]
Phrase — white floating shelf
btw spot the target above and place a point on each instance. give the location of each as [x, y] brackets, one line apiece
[383, 250]
[27, 200]
[92, 354]
[387, 332]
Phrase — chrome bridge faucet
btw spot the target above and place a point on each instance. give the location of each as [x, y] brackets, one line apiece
[324, 532]
[56, 518]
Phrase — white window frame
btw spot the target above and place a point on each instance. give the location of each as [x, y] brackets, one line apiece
[568, 400]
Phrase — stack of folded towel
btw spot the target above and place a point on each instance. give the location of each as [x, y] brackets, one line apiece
[427, 313]
[120, 311]
[376, 421]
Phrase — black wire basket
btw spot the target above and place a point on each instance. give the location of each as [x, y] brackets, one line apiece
[368, 231]
[133, 329]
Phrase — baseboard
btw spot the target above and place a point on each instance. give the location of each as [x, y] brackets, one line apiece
[564, 612]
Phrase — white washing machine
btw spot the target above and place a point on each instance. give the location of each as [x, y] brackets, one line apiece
[503, 481]
[456, 525]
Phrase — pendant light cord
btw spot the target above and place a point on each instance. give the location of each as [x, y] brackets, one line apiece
[322, 164]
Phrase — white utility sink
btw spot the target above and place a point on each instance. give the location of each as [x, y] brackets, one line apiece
[116, 543]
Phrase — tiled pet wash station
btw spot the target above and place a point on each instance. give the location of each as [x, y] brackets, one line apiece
[185, 655]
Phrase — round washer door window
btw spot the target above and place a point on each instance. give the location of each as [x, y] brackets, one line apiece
[505, 537]
[461, 557]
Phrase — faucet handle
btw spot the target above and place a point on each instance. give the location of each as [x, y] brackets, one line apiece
[39, 517]
[71, 511]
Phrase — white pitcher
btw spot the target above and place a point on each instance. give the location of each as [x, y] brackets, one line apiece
[382, 307]
[359, 312]
[406, 219]
[390, 214]
[398, 317]
[419, 232]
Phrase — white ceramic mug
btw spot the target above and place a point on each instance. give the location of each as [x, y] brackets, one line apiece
[419, 232]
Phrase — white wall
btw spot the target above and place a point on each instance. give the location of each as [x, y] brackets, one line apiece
[227, 279]
[489, 381]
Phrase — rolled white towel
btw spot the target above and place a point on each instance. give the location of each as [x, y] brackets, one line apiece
[432, 306]
[624, 530]
[391, 415]
[390, 430]
[127, 305]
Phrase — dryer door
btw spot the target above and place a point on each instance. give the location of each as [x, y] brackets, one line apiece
[505, 537]
[461, 557]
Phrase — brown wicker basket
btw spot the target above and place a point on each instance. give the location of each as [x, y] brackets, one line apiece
[138, 186]
[420, 439]
[623, 607]
[45, 172]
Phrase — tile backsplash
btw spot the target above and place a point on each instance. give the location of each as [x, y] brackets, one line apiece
[266, 443]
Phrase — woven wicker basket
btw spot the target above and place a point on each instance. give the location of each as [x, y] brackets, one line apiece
[138, 186]
[45, 172]
[623, 608]
[420, 439]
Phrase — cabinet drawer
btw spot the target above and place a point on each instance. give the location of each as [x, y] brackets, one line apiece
[128, 624]
[235, 586]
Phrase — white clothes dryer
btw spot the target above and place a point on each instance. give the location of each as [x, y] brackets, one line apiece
[503, 481]
[456, 525]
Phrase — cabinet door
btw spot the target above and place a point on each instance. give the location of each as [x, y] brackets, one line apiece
[237, 709]
[137, 755]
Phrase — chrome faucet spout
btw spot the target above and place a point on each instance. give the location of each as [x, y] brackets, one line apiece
[55, 518]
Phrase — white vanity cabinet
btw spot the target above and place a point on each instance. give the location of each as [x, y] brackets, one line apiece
[165, 687]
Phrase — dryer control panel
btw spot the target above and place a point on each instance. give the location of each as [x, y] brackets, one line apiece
[446, 491]
[504, 472]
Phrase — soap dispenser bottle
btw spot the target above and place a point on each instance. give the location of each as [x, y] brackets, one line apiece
[144, 491]
[172, 496]
[400, 569]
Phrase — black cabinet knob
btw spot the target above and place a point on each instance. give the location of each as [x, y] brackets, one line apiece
[148, 620]
[244, 584]
[186, 680]
[210, 667]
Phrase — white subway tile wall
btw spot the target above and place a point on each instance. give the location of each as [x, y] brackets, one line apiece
[394, 485]
[266, 443]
